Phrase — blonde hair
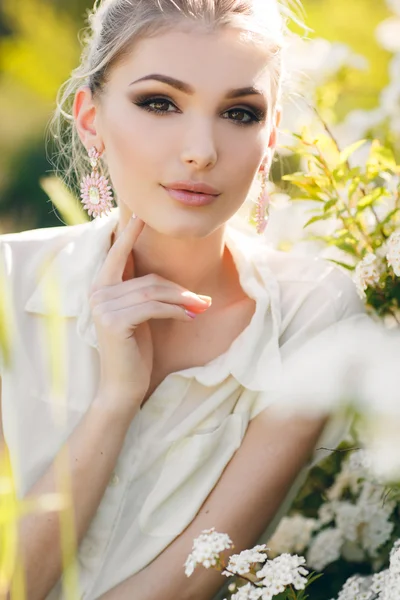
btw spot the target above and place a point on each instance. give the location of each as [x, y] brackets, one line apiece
[115, 25]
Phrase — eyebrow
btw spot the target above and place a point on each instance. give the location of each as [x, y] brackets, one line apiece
[187, 89]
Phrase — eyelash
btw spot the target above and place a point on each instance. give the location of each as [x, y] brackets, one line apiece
[144, 102]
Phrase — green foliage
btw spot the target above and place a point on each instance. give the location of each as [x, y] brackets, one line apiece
[355, 197]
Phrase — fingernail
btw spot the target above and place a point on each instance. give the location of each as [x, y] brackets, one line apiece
[191, 314]
[134, 217]
[205, 298]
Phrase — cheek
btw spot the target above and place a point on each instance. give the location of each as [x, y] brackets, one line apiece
[130, 146]
[244, 155]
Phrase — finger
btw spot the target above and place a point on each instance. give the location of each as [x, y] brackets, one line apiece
[125, 321]
[113, 267]
[159, 293]
[150, 286]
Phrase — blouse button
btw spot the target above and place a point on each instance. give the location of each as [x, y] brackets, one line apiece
[114, 480]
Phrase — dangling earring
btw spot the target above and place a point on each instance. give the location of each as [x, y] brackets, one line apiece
[96, 192]
[261, 216]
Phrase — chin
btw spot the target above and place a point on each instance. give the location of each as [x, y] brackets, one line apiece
[189, 229]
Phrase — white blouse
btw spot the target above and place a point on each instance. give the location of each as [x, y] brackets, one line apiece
[180, 442]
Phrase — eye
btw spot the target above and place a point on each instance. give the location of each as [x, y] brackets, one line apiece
[161, 106]
[237, 115]
[155, 105]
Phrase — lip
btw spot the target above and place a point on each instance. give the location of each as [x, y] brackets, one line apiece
[192, 186]
[190, 198]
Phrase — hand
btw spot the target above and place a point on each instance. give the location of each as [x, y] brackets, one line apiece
[121, 306]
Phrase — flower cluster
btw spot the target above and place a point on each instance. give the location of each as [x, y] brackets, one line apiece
[353, 523]
[206, 550]
[369, 270]
[263, 583]
[282, 571]
[381, 586]
[367, 273]
[240, 564]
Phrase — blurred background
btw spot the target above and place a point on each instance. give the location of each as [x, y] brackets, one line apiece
[349, 73]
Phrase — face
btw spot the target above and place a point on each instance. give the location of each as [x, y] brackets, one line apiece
[190, 127]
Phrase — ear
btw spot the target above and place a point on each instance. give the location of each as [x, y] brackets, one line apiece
[85, 114]
[274, 132]
[267, 161]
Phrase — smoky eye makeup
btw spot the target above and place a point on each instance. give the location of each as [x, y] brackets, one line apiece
[146, 101]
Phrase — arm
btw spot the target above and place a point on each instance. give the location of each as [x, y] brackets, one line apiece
[242, 504]
[92, 454]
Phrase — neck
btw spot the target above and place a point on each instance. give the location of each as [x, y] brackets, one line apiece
[200, 265]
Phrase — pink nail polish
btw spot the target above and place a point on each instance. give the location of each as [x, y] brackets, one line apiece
[191, 314]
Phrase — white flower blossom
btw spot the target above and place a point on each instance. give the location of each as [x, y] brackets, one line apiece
[365, 523]
[325, 548]
[248, 592]
[353, 590]
[240, 564]
[282, 571]
[379, 581]
[292, 535]
[393, 252]
[367, 273]
[359, 460]
[206, 550]
[326, 513]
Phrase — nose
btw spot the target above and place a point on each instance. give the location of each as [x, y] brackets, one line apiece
[200, 147]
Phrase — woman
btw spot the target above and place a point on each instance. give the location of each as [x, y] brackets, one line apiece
[173, 325]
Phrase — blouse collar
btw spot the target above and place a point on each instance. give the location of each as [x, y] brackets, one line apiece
[253, 358]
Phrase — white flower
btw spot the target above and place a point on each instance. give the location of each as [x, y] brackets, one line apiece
[284, 570]
[206, 550]
[376, 532]
[395, 558]
[326, 513]
[379, 581]
[325, 548]
[293, 534]
[393, 252]
[359, 460]
[367, 273]
[353, 590]
[391, 587]
[366, 521]
[240, 563]
[348, 518]
[248, 592]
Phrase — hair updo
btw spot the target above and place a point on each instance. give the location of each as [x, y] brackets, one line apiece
[115, 25]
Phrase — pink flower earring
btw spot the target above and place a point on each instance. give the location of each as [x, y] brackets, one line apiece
[96, 192]
[261, 215]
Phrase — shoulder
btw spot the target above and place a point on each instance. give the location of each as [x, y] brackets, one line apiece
[25, 258]
[309, 295]
[22, 250]
[313, 283]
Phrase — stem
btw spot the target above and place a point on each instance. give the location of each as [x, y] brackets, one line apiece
[329, 132]
[329, 175]
[293, 595]
[255, 583]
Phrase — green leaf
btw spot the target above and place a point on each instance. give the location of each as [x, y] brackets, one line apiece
[347, 152]
[353, 186]
[381, 158]
[330, 203]
[371, 198]
[341, 264]
[316, 218]
[389, 216]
